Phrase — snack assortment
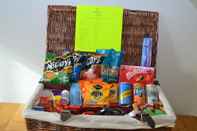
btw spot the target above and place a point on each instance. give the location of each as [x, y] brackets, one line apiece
[98, 84]
[71, 67]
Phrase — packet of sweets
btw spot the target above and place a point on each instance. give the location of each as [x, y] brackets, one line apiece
[78, 61]
[92, 67]
[92, 73]
[57, 69]
[57, 103]
[95, 93]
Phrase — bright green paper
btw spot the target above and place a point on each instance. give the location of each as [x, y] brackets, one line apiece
[98, 27]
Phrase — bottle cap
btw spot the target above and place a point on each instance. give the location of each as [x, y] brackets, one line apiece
[156, 82]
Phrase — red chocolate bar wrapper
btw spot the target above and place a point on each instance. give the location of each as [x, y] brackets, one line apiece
[134, 74]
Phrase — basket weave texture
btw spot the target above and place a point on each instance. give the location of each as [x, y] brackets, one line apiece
[61, 31]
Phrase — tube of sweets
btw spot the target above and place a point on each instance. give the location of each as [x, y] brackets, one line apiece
[146, 51]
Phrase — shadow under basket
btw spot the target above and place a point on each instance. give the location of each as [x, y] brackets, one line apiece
[135, 25]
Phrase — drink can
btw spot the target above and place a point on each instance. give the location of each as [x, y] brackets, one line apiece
[125, 97]
[152, 95]
[139, 94]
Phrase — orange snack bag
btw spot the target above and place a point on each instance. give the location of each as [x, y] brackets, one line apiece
[95, 93]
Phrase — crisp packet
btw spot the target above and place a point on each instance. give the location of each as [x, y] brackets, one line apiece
[95, 93]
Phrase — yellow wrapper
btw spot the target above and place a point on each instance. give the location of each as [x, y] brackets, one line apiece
[95, 93]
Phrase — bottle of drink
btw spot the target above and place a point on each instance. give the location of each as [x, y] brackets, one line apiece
[75, 95]
[152, 93]
[139, 94]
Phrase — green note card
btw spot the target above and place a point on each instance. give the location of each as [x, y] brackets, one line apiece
[98, 27]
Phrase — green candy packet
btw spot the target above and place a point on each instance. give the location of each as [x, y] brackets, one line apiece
[57, 69]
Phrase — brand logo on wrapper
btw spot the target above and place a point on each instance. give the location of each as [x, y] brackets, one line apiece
[58, 64]
[129, 75]
[94, 60]
[96, 92]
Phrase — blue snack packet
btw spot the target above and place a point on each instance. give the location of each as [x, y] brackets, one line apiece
[110, 65]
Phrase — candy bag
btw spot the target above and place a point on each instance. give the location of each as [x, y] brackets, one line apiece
[57, 69]
[92, 67]
[92, 73]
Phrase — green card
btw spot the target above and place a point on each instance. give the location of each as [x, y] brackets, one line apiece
[98, 27]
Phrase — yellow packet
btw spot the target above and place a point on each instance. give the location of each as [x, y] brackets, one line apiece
[95, 93]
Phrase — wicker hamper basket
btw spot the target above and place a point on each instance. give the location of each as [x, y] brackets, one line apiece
[61, 35]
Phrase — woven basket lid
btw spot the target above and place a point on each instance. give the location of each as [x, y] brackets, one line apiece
[61, 31]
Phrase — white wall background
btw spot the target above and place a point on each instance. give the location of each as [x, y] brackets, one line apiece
[22, 46]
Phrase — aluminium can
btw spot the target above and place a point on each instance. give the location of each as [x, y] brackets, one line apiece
[125, 94]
